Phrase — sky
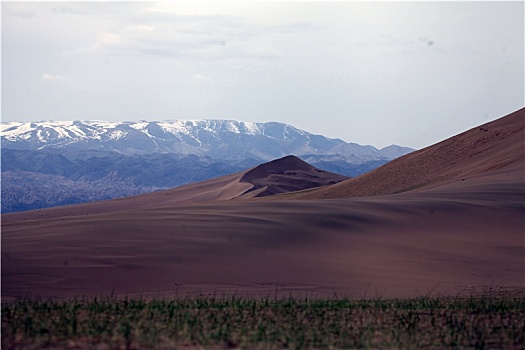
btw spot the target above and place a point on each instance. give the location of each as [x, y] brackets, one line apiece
[373, 73]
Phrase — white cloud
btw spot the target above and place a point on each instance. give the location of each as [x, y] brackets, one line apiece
[200, 78]
[108, 38]
[19, 10]
[60, 79]
[140, 28]
[103, 41]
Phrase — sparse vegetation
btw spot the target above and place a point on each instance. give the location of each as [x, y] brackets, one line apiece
[476, 322]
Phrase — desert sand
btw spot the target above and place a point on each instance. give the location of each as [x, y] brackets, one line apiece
[447, 219]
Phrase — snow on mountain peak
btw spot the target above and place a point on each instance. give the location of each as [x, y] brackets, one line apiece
[215, 138]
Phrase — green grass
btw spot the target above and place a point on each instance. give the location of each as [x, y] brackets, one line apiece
[477, 322]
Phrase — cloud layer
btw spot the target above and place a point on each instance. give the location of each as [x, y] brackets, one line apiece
[422, 71]
[60, 79]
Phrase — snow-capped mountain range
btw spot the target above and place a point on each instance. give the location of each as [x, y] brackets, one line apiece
[64, 162]
[218, 139]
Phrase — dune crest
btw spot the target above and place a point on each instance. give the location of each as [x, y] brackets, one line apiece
[480, 151]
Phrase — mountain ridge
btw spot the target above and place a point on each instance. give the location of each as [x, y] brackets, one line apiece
[216, 138]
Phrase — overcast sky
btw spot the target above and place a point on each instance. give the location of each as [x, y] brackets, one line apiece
[406, 73]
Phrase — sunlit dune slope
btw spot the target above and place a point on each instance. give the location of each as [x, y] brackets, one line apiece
[493, 148]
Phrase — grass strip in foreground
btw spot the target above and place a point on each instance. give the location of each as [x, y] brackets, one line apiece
[429, 322]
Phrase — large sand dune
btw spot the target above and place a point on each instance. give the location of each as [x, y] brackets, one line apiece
[472, 154]
[455, 225]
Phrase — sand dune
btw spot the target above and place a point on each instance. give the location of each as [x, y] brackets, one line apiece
[285, 175]
[279, 176]
[219, 189]
[457, 227]
[497, 145]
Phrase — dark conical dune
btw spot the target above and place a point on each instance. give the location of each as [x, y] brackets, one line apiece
[278, 176]
[448, 219]
[287, 174]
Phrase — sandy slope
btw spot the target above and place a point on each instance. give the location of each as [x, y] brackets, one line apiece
[457, 232]
[281, 175]
[492, 146]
